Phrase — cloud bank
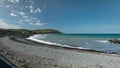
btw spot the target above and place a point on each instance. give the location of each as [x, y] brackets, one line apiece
[5, 25]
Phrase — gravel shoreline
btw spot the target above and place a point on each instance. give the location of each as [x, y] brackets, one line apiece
[24, 60]
[32, 55]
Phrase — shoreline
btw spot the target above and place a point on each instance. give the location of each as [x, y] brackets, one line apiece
[27, 41]
[24, 60]
[56, 56]
[34, 39]
[63, 47]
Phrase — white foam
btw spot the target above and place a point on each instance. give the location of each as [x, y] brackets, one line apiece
[102, 41]
[34, 38]
[39, 36]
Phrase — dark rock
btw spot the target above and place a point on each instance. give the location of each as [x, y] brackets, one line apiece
[115, 41]
[1, 50]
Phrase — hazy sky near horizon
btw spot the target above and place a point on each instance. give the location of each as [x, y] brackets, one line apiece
[69, 16]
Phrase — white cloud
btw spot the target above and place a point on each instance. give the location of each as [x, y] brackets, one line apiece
[22, 13]
[37, 24]
[14, 1]
[13, 14]
[25, 17]
[5, 25]
[27, 20]
[18, 13]
[32, 10]
[31, 23]
[37, 10]
[7, 6]
[31, 6]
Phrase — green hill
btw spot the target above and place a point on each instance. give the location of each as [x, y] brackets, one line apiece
[25, 32]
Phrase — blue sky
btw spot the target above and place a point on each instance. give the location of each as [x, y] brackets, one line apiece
[69, 16]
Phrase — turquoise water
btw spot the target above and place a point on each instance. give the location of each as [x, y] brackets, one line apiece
[92, 41]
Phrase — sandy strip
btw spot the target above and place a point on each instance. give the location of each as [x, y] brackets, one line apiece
[39, 56]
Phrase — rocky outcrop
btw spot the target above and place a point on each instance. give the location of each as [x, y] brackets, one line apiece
[115, 41]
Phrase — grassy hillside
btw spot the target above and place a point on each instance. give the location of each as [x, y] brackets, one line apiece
[25, 32]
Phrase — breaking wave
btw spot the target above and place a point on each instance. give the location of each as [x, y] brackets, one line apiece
[37, 39]
[102, 41]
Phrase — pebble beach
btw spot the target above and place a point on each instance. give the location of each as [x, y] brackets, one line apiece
[27, 54]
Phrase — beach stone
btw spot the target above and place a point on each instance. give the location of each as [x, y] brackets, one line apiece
[26, 65]
[1, 50]
[99, 66]
[7, 53]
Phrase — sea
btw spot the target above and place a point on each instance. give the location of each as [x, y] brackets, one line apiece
[98, 42]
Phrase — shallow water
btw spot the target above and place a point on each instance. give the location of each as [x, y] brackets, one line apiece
[91, 41]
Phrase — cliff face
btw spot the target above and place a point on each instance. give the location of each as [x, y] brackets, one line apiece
[25, 32]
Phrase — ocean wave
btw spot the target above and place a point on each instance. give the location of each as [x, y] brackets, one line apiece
[34, 38]
[41, 36]
[102, 41]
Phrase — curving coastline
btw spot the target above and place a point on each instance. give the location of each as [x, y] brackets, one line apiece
[32, 54]
[41, 38]
[31, 38]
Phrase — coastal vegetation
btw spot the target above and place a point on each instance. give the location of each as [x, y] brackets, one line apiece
[26, 32]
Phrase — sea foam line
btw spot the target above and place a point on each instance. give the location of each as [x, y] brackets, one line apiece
[102, 41]
[33, 38]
